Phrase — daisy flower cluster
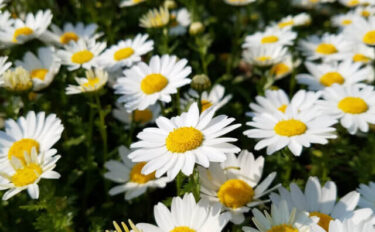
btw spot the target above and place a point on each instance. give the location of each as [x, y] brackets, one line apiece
[187, 116]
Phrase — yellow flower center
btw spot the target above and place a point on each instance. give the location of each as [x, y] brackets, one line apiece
[182, 229]
[136, 175]
[353, 2]
[68, 36]
[39, 73]
[282, 108]
[264, 58]
[184, 139]
[286, 24]
[326, 49]
[153, 83]
[22, 31]
[205, 105]
[123, 53]
[290, 127]
[324, 219]
[26, 175]
[91, 82]
[361, 58]
[353, 105]
[331, 78]
[314, 1]
[19, 148]
[280, 69]
[235, 193]
[369, 38]
[365, 13]
[142, 116]
[283, 228]
[82, 57]
[346, 22]
[269, 39]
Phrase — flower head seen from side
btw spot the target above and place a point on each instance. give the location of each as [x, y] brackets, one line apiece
[187, 216]
[236, 184]
[263, 56]
[321, 202]
[214, 98]
[323, 75]
[42, 67]
[33, 131]
[155, 18]
[126, 52]
[294, 129]
[328, 47]
[127, 3]
[139, 117]
[275, 101]
[94, 81]
[302, 19]
[353, 105]
[367, 199]
[70, 32]
[28, 171]
[271, 36]
[285, 67]
[238, 2]
[129, 177]
[17, 80]
[81, 54]
[178, 143]
[344, 20]
[145, 84]
[21, 31]
[282, 219]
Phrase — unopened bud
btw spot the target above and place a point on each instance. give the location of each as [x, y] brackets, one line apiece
[196, 28]
[201, 82]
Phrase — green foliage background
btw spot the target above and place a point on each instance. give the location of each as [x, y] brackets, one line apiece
[79, 200]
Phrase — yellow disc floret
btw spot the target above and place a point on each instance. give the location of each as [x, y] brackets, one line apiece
[369, 38]
[361, 58]
[280, 69]
[235, 193]
[82, 57]
[282, 108]
[205, 105]
[182, 229]
[91, 82]
[326, 49]
[68, 36]
[324, 219]
[22, 31]
[283, 228]
[142, 116]
[39, 73]
[123, 53]
[269, 39]
[153, 83]
[184, 139]
[290, 127]
[26, 175]
[19, 148]
[331, 78]
[353, 105]
[136, 175]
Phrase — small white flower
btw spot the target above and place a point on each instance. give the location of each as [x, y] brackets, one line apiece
[140, 117]
[271, 36]
[264, 55]
[94, 81]
[302, 19]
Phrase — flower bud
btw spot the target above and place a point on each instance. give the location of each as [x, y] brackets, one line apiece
[201, 82]
[196, 28]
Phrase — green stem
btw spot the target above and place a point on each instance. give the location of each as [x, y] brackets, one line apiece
[162, 108]
[179, 180]
[102, 127]
[91, 124]
[200, 102]
[178, 106]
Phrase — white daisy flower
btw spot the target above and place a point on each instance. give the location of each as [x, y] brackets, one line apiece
[285, 67]
[71, 32]
[238, 2]
[282, 218]
[216, 97]
[21, 31]
[365, 11]
[94, 81]
[362, 31]
[187, 216]
[302, 19]
[28, 171]
[276, 101]
[344, 20]
[129, 177]
[81, 54]
[320, 202]
[4, 66]
[295, 129]
[181, 19]
[271, 36]
[329, 47]
[140, 117]
[325, 75]
[127, 3]
[353, 105]
[236, 184]
[126, 52]
[353, 3]
[34, 130]
[351, 226]
[362, 54]
[42, 67]
[155, 18]
[309, 4]
[143, 85]
[180, 142]
[367, 199]
[264, 55]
